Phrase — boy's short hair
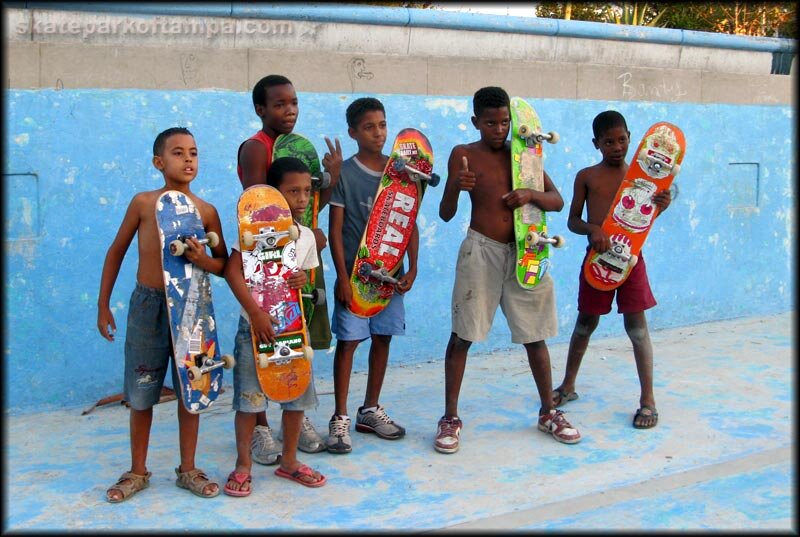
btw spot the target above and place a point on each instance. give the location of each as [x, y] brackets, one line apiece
[282, 166]
[489, 97]
[161, 139]
[361, 106]
[607, 120]
[261, 87]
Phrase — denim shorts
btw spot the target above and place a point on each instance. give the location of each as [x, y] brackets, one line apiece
[391, 321]
[148, 348]
[247, 393]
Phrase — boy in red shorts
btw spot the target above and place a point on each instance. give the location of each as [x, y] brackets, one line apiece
[596, 186]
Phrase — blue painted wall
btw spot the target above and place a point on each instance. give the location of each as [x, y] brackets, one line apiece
[74, 160]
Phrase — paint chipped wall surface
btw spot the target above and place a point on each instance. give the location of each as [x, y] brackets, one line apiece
[75, 158]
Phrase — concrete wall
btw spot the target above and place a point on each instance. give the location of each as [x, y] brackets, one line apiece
[77, 151]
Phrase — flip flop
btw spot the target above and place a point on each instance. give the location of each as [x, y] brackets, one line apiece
[645, 412]
[303, 470]
[563, 397]
[241, 478]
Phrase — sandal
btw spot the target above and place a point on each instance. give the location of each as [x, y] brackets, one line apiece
[241, 478]
[304, 471]
[560, 397]
[196, 481]
[644, 413]
[135, 483]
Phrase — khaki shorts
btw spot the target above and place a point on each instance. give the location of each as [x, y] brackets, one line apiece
[485, 278]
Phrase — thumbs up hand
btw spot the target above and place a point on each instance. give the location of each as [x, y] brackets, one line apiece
[466, 178]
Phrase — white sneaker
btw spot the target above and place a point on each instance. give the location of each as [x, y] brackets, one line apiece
[310, 440]
[263, 448]
[339, 435]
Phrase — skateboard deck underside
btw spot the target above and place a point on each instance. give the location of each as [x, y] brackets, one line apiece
[189, 305]
[527, 171]
[265, 272]
[296, 145]
[390, 224]
[632, 211]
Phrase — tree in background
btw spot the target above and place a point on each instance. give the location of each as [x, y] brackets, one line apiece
[765, 19]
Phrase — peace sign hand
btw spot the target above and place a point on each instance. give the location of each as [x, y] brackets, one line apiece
[332, 161]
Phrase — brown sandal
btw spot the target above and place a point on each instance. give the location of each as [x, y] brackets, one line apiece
[195, 480]
[135, 483]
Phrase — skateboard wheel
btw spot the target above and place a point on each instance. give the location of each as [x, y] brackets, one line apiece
[294, 232]
[523, 130]
[213, 239]
[325, 182]
[642, 156]
[434, 179]
[176, 248]
[247, 239]
[559, 241]
[554, 138]
[531, 239]
[228, 361]
[308, 352]
[632, 260]
[676, 169]
[194, 373]
[317, 297]
[263, 360]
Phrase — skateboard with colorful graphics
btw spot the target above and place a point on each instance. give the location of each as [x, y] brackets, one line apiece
[527, 171]
[189, 307]
[300, 147]
[391, 221]
[267, 236]
[656, 163]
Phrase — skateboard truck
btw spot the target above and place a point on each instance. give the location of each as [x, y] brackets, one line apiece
[206, 364]
[414, 174]
[653, 161]
[533, 238]
[283, 355]
[320, 183]
[269, 236]
[525, 132]
[178, 246]
[317, 298]
[617, 253]
[367, 271]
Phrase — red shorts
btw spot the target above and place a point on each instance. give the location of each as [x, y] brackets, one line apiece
[633, 296]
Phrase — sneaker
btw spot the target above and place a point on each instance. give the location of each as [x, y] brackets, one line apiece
[310, 440]
[378, 422]
[339, 435]
[263, 448]
[447, 434]
[556, 424]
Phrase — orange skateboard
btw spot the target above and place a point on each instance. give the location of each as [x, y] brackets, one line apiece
[391, 222]
[267, 240]
[657, 162]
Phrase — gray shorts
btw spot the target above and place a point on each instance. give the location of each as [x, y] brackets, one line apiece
[148, 348]
[247, 393]
[486, 278]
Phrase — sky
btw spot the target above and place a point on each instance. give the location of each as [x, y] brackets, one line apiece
[516, 9]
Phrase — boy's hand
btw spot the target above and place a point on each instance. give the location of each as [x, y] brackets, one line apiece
[343, 293]
[406, 281]
[297, 279]
[466, 178]
[662, 200]
[263, 326]
[332, 161]
[599, 240]
[195, 252]
[518, 198]
[105, 323]
[320, 239]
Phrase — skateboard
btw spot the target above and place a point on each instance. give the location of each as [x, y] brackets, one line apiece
[656, 163]
[527, 171]
[267, 240]
[189, 307]
[391, 221]
[300, 147]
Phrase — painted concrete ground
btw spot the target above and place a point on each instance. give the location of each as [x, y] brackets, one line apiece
[720, 458]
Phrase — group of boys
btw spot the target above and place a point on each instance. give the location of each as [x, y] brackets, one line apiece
[485, 279]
